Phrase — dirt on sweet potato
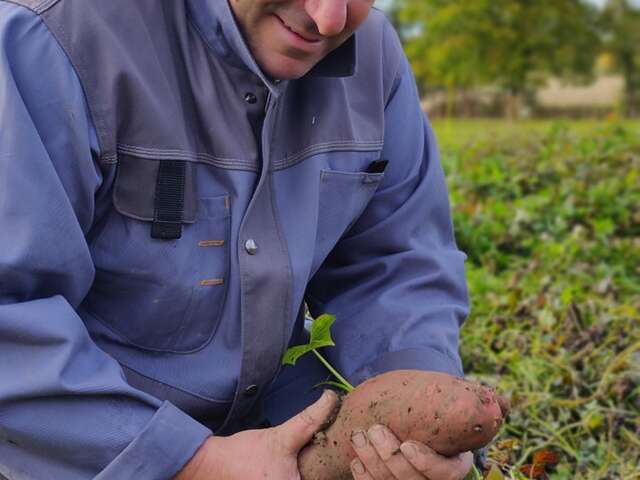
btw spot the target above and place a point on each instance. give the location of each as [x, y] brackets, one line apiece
[449, 414]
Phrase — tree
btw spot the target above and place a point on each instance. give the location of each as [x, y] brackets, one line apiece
[621, 22]
[513, 44]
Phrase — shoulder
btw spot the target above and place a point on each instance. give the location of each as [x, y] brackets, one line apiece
[35, 72]
[378, 32]
[36, 6]
[16, 16]
[25, 39]
[379, 52]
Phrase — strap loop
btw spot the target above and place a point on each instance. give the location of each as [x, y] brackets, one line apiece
[169, 200]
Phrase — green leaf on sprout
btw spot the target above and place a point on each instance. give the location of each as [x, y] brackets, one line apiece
[320, 337]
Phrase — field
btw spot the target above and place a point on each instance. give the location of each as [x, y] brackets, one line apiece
[549, 216]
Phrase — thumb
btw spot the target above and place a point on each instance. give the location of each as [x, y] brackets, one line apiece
[296, 432]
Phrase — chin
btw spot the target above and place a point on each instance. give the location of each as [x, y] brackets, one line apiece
[287, 69]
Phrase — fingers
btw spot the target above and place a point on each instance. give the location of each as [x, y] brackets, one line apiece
[432, 465]
[388, 447]
[359, 472]
[296, 432]
[382, 458]
[369, 457]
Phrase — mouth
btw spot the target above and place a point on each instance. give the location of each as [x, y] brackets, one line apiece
[304, 36]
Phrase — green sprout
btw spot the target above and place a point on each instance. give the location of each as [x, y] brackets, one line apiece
[320, 337]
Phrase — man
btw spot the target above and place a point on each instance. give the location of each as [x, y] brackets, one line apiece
[178, 178]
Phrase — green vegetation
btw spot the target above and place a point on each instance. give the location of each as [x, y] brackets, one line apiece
[514, 46]
[549, 215]
[621, 21]
[320, 336]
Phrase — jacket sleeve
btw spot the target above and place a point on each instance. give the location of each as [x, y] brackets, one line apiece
[396, 280]
[66, 411]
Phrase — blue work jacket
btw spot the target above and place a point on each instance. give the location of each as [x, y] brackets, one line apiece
[122, 349]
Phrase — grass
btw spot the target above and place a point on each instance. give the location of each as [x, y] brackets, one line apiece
[549, 216]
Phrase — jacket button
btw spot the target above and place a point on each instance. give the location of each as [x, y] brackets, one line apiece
[251, 390]
[251, 247]
[250, 98]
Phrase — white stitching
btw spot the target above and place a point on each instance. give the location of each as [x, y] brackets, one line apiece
[364, 146]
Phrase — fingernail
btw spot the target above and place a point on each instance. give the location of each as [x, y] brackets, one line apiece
[410, 451]
[358, 468]
[326, 396]
[376, 434]
[358, 439]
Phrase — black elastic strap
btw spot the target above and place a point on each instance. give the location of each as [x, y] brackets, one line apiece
[169, 200]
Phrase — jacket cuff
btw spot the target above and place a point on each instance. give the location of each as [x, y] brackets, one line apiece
[427, 359]
[160, 451]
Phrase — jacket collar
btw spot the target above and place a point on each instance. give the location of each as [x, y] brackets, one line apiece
[215, 21]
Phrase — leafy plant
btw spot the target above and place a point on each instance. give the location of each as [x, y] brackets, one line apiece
[547, 213]
[320, 336]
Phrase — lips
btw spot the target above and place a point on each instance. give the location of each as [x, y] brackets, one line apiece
[303, 35]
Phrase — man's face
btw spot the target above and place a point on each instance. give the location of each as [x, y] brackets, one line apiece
[289, 37]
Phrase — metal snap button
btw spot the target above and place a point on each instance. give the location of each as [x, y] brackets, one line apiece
[251, 390]
[251, 246]
[250, 98]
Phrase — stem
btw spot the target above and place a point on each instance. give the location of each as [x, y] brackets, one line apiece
[476, 473]
[347, 385]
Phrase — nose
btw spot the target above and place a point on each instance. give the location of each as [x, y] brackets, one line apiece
[330, 16]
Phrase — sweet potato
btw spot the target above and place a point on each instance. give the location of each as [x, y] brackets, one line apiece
[450, 414]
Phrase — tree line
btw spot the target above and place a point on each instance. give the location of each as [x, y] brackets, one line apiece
[516, 45]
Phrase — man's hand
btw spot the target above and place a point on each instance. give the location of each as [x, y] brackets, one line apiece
[259, 454]
[382, 457]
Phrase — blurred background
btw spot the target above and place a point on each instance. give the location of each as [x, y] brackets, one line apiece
[535, 105]
[520, 59]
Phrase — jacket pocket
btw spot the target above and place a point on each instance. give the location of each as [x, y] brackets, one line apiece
[161, 295]
[343, 197]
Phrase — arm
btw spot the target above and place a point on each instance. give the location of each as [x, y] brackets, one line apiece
[396, 281]
[66, 411]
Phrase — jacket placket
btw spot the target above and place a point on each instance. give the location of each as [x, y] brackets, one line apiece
[265, 285]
